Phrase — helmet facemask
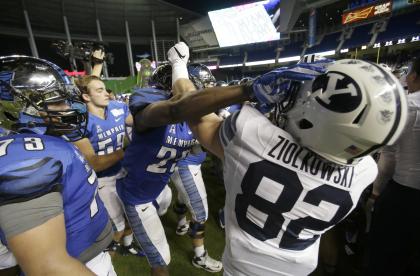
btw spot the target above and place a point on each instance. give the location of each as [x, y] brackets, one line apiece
[279, 113]
[201, 76]
[32, 87]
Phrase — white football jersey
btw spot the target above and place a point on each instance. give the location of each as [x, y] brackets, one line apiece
[280, 197]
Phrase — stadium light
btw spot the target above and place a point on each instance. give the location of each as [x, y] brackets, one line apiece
[344, 50]
[287, 59]
[230, 65]
[364, 47]
[326, 53]
[261, 62]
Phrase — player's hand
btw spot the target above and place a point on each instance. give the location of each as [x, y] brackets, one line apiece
[179, 53]
[98, 54]
[274, 86]
[98, 57]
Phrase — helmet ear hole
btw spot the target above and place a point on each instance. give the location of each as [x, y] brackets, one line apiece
[305, 124]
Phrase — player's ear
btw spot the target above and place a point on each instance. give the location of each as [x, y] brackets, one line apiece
[85, 97]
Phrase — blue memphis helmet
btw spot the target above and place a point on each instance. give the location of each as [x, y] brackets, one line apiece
[199, 75]
[162, 77]
[28, 86]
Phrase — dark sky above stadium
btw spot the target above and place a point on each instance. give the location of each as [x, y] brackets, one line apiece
[204, 6]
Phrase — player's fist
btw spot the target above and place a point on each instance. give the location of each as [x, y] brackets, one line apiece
[179, 53]
[98, 54]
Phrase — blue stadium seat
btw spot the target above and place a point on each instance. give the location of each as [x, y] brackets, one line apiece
[269, 53]
[329, 42]
[360, 36]
[226, 60]
[401, 26]
[293, 49]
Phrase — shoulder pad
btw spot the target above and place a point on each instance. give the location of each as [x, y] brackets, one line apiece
[116, 104]
[142, 97]
[30, 178]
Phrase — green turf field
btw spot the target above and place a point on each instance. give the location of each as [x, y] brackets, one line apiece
[180, 246]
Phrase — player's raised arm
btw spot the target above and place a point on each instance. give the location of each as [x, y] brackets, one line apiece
[267, 90]
[183, 102]
[98, 62]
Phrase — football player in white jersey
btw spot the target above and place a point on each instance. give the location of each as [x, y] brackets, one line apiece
[289, 181]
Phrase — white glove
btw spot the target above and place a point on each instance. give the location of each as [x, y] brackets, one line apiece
[179, 53]
[178, 57]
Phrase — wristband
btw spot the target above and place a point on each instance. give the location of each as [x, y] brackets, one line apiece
[97, 60]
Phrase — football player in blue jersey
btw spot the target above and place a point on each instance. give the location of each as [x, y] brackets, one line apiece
[50, 214]
[189, 183]
[149, 161]
[192, 195]
[105, 137]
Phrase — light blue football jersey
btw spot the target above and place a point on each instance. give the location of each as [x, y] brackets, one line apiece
[107, 135]
[33, 165]
[151, 157]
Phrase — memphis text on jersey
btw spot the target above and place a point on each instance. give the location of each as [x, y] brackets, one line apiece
[109, 132]
[287, 153]
[175, 141]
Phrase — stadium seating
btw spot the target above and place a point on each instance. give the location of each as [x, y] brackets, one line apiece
[329, 42]
[226, 60]
[361, 36]
[293, 49]
[394, 30]
[268, 53]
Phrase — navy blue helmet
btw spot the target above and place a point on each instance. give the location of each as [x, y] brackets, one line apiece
[199, 75]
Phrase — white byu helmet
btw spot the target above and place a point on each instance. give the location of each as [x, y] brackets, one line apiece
[351, 111]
